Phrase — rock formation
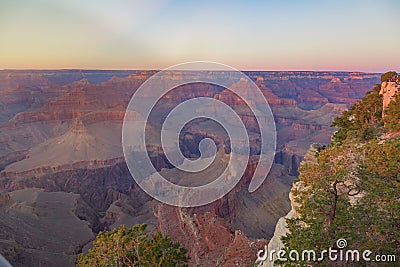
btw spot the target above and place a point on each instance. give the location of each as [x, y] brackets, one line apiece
[211, 240]
[60, 131]
[275, 244]
[40, 228]
[388, 91]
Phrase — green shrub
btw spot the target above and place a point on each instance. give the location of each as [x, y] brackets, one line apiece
[388, 75]
[362, 121]
[392, 118]
[133, 247]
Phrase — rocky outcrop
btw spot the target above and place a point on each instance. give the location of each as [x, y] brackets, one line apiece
[281, 228]
[288, 159]
[210, 240]
[40, 228]
[4, 198]
[99, 186]
[388, 91]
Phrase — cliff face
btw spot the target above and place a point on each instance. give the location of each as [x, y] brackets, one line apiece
[210, 239]
[388, 91]
[281, 228]
[30, 220]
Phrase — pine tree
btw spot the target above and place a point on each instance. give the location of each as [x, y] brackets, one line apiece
[363, 121]
[392, 118]
[352, 189]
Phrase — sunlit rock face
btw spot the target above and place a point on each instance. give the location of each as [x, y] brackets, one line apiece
[388, 91]
[60, 131]
[276, 244]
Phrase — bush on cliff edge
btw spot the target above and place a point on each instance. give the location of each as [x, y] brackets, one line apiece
[133, 247]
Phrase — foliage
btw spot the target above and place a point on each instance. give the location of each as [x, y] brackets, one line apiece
[351, 192]
[362, 121]
[323, 195]
[352, 189]
[133, 247]
[392, 118]
[380, 177]
[388, 75]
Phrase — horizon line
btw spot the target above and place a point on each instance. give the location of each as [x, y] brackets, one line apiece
[151, 69]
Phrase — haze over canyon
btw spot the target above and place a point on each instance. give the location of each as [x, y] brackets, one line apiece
[63, 176]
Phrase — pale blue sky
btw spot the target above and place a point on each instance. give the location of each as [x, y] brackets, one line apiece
[153, 34]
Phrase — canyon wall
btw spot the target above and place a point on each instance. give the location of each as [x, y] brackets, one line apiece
[388, 91]
[275, 243]
[60, 132]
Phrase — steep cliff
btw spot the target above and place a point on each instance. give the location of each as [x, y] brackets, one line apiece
[275, 244]
[33, 223]
[210, 239]
[388, 91]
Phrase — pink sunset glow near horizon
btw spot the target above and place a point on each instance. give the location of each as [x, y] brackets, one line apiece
[247, 35]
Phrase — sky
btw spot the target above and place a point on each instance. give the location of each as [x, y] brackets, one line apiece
[336, 35]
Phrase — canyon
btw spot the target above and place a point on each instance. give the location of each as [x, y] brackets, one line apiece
[64, 178]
